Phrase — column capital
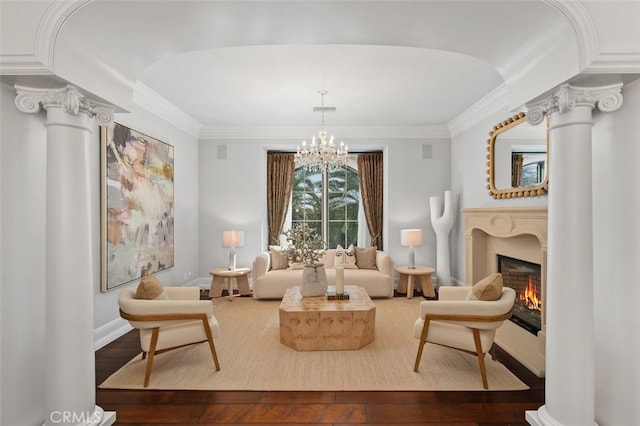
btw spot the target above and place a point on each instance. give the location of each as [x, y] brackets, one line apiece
[31, 100]
[567, 97]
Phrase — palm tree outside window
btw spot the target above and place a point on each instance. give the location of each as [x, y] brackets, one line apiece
[329, 202]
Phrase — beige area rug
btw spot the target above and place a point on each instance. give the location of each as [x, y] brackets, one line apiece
[252, 358]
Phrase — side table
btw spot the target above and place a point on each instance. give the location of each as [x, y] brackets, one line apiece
[423, 275]
[219, 275]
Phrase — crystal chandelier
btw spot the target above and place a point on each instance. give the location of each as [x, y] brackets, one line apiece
[321, 154]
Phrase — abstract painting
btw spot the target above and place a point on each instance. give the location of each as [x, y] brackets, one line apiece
[137, 205]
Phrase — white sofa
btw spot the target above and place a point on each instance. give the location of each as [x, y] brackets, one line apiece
[272, 284]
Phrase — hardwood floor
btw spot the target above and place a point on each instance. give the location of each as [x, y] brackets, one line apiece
[488, 408]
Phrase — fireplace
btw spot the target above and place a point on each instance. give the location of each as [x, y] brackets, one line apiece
[518, 233]
[524, 278]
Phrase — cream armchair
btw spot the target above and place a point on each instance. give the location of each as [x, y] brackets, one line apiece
[181, 319]
[459, 323]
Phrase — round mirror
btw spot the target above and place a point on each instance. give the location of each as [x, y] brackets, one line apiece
[518, 159]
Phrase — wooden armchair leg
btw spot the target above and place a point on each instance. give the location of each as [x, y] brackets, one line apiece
[152, 351]
[480, 353]
[423, 340]
[212, 347]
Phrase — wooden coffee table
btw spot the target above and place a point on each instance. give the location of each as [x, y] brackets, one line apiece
[318, 324]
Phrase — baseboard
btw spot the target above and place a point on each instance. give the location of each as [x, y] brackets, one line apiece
[201, 282]
[109, 332]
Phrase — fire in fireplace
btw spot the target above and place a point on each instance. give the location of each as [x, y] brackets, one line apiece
[524, 278]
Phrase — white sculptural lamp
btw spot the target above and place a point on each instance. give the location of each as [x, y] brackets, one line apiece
[232, 239]
[411, 238]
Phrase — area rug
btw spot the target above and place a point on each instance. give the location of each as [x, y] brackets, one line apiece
[252, 358]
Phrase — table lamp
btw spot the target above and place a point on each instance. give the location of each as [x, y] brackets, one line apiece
[232, 239]
[411, 238]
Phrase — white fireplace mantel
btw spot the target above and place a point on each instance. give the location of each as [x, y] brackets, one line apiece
[518, 232]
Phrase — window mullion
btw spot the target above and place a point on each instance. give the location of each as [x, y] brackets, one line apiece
[325, 206]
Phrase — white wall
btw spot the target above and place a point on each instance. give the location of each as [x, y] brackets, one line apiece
[233, 194]
[616, 240]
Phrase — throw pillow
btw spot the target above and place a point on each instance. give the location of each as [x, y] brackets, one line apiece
[279, 259]
[366, 257]
[488, 288]
[345, 257]
[150, 288]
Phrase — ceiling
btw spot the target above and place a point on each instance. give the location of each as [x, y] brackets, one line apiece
[262, 63]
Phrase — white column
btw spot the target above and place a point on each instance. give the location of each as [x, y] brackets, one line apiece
[569, 386]
[70, 369]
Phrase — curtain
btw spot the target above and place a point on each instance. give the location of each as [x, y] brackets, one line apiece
[516, 169]
[280, 168]
[371, 185]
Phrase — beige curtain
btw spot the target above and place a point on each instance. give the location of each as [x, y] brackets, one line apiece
[516, 169]
[280, 168]
[371, 184]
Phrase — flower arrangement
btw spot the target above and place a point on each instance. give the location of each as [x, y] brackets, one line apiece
[305, 245]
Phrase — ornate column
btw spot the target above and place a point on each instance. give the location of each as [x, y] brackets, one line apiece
[70, 240]
[569, 388]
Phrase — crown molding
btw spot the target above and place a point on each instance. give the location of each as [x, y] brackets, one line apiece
[343, 133]
[489, 104]
[583, 26]
[22, 65]
[150, 100]
[41, 60]
[49, 28]
[614, 63]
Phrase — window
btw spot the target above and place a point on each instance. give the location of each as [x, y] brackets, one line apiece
[533, 169]
[328, 202]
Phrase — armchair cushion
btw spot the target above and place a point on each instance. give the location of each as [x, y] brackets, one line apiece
[488, 288]
[150, 288]
[366, 257]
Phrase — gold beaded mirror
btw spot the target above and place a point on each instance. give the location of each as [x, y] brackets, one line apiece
[517, 155]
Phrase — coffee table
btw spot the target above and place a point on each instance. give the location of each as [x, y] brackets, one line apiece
[318, 324]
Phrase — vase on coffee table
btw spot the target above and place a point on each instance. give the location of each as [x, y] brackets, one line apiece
[314, 280]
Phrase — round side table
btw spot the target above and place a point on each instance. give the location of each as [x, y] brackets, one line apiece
[422, 274]
[219, 275]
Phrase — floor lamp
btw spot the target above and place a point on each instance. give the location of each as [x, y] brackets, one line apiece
[411, 238]
[232, 239]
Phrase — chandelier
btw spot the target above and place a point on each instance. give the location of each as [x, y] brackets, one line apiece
[321, 154]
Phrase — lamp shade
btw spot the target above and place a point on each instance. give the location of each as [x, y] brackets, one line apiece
[411, 237]
[233, 238]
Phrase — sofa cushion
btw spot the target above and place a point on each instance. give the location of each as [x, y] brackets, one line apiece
[279, 258]
[488, 288]
[366, 257]
[150, 288]
[345, 257]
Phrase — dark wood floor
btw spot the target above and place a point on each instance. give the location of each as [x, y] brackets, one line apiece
[487, 408]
